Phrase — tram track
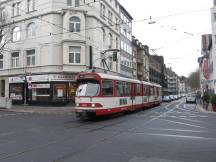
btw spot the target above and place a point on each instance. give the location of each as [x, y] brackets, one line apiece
[81, 125]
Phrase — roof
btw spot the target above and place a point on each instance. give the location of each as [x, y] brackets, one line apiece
[125, 11]
[119, 78]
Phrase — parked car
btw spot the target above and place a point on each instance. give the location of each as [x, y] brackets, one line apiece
[166, 99]
[191, 98]
[172, 97]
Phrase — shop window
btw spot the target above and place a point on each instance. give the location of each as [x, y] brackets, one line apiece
[107, 88]
[59, 91]
[16, 91]
[72, 91]
[40, 92]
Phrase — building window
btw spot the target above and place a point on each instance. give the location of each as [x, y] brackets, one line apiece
[103, 34]
[15, 59]
[30, 5]
[102, 10]
[3, 14]
[1, 61]
[74, 3]
[214, 2]
[74, 54]
[74, 25]
[117, 43]
[30, 57]
[16, 9]
[110, 16]
[31, 30]
[117, 23]
[16, 34]
[110, 40]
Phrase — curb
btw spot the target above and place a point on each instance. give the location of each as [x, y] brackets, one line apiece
[42, 111]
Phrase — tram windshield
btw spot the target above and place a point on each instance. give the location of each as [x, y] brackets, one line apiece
[88, 88]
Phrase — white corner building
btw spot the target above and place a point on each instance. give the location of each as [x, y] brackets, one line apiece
[46, 43]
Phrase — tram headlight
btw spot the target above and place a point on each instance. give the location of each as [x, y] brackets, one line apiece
[93, 105]
[77, 104]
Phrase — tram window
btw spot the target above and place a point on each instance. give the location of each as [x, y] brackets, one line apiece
[88, 88]
[127, 89]
[119, 89]
[107, 88]
[151, 91]
[146, 90]
[138, 89]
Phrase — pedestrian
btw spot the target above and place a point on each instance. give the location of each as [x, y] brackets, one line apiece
[206, 99]
[198, 97]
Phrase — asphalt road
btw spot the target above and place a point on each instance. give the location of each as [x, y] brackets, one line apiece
[172, 132]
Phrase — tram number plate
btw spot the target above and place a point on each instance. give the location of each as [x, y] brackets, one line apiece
[79, 110]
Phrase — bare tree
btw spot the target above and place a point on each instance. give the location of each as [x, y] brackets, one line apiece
[5, 31]
[194, 80]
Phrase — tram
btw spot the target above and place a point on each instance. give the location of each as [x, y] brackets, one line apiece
[100, 94]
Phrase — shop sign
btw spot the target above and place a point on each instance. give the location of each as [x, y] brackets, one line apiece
[35, 86]
[61, 77]
[38, 78]
[16, 79]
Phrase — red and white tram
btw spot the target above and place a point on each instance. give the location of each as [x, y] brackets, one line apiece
[101, 94]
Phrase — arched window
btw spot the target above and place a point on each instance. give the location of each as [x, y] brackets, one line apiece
[31, 30]
[16, 34]
[110, 40]
[103, 34]
[74, 24]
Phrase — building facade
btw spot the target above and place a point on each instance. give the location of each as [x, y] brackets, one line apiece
[48, 43]
[173, 82]
[141, 53]
[126, 67]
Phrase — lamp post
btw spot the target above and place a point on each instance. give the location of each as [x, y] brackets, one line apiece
[27, 85]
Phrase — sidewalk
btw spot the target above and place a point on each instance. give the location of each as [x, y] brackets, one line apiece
[200, 108]
[46, 110]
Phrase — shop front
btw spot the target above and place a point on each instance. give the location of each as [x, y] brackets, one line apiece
[52, 89]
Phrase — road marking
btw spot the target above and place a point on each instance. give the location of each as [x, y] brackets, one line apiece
[14, 114]
[162, 115]
[179, 136]
[182, 123]
[189, 120]
[178, 130]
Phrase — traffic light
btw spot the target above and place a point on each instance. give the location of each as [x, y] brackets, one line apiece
[115, 56]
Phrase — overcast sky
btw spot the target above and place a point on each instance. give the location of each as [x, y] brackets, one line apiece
[178, 37]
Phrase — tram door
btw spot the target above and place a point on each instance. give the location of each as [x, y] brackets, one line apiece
[132, 94]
